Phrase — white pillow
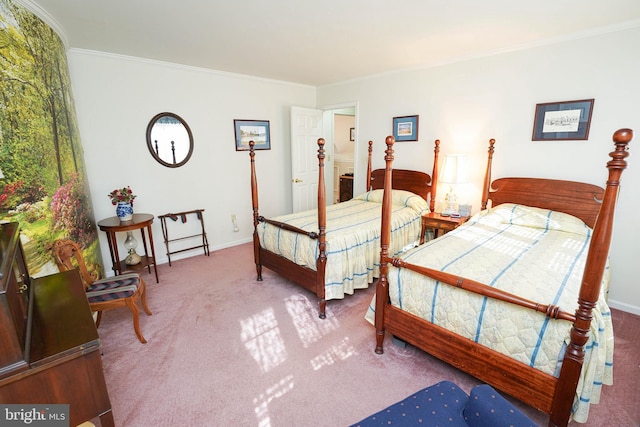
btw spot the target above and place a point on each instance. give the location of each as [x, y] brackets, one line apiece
[398, 197]
[527, 216]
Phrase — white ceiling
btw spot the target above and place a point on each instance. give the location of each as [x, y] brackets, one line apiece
[325, 41]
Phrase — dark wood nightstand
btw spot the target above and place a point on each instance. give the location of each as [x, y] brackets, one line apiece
[439, 224]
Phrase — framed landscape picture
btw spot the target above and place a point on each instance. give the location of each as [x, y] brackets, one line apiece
[568, 120]
[252, 130]
[405, 128]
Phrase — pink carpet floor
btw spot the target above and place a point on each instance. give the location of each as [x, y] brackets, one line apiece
[224, 349]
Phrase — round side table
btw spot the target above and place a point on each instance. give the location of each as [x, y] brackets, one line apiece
[140, 221]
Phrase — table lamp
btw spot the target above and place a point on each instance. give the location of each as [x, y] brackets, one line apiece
[454, 172]
[130, 244]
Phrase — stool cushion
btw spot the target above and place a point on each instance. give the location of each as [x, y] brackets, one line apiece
[486, 408]
[446, 405]
[116, 287]
[438, 405]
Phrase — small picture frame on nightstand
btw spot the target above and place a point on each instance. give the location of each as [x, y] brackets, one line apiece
[464, 210]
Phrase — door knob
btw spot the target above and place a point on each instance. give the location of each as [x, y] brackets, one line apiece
[297, 180]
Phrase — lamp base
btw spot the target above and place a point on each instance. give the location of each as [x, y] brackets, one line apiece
[450, 209]
[133, 258]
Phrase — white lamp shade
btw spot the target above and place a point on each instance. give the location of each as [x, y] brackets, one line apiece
[454, 169]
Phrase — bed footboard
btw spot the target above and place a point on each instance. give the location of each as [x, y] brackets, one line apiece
[306, 277]
[512, 377]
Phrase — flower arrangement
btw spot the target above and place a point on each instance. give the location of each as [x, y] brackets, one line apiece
[122, 195]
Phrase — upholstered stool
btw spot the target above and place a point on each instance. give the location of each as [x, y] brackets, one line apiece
[445, 404]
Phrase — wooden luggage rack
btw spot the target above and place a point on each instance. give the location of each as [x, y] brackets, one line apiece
[183, 217]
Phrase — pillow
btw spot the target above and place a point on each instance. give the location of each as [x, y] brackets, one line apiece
[398, 197]
[527, 216]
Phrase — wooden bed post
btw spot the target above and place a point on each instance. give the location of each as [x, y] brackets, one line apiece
[322, 228]
[254, 201]
[369, 166]
[591, 282]
[385, 237]
[434, 176]
[487, 176]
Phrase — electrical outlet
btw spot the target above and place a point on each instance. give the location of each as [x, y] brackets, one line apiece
[234, 220]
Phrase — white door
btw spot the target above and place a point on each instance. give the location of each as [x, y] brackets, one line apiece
[306, 128]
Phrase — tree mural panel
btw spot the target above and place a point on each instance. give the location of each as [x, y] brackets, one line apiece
[45, 186]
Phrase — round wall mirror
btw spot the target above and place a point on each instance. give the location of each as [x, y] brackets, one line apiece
[169, 140]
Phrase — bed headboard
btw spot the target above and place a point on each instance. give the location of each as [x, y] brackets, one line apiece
[579, 199]
[417, 182]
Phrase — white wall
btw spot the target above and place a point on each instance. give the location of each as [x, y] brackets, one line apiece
[467, 103]
[115, 99]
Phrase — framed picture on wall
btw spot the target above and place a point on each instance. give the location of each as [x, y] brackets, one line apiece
[568, 120]
[252, 130]
[405, 128]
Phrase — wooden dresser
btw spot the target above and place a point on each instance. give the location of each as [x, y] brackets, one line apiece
[346, 187]
[49, 345]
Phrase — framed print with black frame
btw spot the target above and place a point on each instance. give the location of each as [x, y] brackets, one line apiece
[252, 130]
[405, 128]
[561, 121]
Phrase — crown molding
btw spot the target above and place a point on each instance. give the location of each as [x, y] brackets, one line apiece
[46, 18]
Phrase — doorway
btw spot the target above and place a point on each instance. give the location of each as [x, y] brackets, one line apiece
[336, 123]
[343, 156]
[342, 129]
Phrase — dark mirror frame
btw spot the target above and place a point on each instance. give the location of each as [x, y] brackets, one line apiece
[152, 149]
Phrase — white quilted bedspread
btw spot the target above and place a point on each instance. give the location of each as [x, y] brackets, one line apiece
[530, 252]
[352, 235]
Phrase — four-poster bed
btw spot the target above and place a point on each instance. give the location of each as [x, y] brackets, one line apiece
[334, 249]
[457, 298]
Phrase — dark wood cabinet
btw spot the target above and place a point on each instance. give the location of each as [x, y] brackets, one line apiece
[14, 302]
[346, 188]
[49, 345]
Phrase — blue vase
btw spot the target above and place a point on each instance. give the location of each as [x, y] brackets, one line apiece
[124, 211]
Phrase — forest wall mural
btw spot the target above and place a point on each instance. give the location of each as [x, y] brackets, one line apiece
[44, 186]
